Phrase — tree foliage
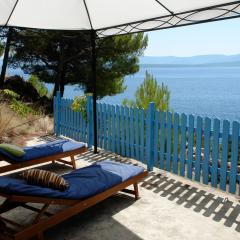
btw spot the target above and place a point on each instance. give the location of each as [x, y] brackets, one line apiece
[150, 91]
[38, 85]
[64, 57]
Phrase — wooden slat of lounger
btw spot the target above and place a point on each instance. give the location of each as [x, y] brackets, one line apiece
[73, 210]
[18, 165]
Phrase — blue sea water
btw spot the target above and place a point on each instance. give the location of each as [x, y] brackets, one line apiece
[212, 91]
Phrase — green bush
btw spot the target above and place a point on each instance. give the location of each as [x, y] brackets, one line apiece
[80, 105]
[12, 99]
[21, 108]
[38, 85]
[150, 91]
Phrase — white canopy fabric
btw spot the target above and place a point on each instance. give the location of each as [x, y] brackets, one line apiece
[113, 17]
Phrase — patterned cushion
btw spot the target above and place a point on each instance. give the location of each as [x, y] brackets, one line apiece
[45, 179]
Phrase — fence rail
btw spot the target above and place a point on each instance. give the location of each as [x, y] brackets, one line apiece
[197, 148]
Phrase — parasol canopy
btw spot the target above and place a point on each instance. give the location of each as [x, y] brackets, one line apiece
[113, 17]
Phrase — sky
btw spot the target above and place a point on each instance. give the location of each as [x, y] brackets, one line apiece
[221, 37]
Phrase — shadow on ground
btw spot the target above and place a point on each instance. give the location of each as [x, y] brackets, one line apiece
[96, 222]
[200, 201]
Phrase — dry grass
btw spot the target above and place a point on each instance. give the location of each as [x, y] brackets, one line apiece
[17, 129]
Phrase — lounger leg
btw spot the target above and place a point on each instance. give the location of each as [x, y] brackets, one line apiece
[73, 162]
[53, 161]
[136, 192]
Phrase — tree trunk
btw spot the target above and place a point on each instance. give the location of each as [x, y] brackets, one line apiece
[5, 58]
[58, 81]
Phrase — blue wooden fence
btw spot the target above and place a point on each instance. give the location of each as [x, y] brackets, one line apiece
[199, 148]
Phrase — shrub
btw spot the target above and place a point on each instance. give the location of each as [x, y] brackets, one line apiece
[150, 91]
[80, 105]
[38, 85]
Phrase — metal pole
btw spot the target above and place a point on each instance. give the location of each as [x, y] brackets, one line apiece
[94, 88]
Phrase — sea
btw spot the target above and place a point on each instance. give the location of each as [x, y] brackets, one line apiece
[202, 90]
[208, 91]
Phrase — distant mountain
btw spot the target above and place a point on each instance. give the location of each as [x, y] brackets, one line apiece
[201, 59]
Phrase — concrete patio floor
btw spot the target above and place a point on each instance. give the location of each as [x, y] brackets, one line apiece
[170, 207]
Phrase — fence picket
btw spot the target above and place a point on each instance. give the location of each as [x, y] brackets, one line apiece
[198, 149]
[215, 151]
[104, 126]
[183, 144]
[137, 143]
[175, 143]
[123, 131]
[127, 131]
[234, 158]
[109, 128]
[169, 141]
[142, 136]
[132, 133]
[163, 138]
[206, 159]
[118, 136]
[100, 122]
[224, 163]
[113, 127]
[156, 139]
[190, 147]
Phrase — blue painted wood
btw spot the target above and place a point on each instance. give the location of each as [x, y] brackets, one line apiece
[123, 152]
[89, 122]
[132, 133]
[127, 131]
[169, 141]
[150, 136]
[215, 153]
[109, 127]
[85, 133]
[113, 135]
[82, 135]
[175, 143]
[118, 136]
[79, 126]
[137, 142]
[142, 136]
[207, 144]
[104, 126]
[198, 149]
[183, 144]
[71, 119]
[54, 115]
[100, 129]
[64, 117]
[74, 126]
[223, 168]
[62, 114]
[162, 138]
[234, 157]
[190, 146]
[156, 138]
[58, 105]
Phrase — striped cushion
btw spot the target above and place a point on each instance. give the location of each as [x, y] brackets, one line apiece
[45, 179]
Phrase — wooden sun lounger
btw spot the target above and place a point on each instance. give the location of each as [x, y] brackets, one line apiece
[13, 165]
[73, 207]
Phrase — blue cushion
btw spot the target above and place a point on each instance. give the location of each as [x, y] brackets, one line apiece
[84, 182]
[46, 149]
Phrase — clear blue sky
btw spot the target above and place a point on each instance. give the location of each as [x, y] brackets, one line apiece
[221, 37]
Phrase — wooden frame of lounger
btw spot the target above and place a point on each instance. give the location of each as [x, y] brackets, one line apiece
[73, 207]
[13, 165]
